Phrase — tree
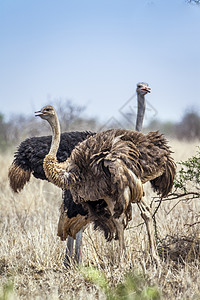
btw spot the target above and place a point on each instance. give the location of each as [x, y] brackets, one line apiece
[194, 1]
[21, 126]
[3, 133]
[189, 127]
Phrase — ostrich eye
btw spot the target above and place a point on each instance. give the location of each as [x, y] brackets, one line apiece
[47, 109]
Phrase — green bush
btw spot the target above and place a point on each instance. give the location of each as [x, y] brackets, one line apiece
[135, 286]
[7, 291]
[188, 178]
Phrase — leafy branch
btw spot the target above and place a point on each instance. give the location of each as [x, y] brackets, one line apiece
[186, 184]
[187, 181]
[189, 176]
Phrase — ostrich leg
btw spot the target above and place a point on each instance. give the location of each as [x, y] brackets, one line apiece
[78, 246]
[69, 251]
[70, 248]
[147, 217]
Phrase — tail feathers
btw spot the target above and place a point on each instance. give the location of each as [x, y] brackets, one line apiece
[18, 177]
[70, 226]
[107, 224]
[102, 219]
[108, 227]
[164, 183]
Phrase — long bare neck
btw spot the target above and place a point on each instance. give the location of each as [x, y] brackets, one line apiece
[55, 126]
[55, 171]
[140, 111]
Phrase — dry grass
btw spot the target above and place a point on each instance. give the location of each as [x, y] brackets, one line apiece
[31, 255]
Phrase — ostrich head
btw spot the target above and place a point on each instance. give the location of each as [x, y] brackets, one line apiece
[143, 88]
[47, 113]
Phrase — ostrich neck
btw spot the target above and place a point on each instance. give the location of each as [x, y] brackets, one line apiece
[140, 111]
[55, 171]
[55, 126]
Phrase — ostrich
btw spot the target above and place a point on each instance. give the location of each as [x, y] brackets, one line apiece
[106, 172]
[28, 159]
[141, 90]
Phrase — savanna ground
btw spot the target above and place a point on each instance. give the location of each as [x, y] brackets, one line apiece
[31, 254]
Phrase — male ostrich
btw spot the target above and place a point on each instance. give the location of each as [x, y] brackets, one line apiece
[106, 172]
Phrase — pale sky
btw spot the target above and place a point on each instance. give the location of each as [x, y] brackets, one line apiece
[94, 53]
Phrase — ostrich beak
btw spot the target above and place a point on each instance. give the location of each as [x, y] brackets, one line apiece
[38, 113]
[146, 89]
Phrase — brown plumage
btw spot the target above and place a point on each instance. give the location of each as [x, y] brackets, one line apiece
[105, 172]
[18, 177]
[70, 226]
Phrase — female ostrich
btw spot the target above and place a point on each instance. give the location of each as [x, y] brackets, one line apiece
[29, 160]
[105, 174]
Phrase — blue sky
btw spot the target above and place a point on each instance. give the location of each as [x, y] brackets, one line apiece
[94, 53]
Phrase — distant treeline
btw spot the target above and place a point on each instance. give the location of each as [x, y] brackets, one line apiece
[187, 129]
[19, 127]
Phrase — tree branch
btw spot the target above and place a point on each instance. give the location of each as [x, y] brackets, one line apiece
[174, 196]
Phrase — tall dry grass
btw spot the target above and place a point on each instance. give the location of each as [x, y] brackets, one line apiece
[31, 255]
